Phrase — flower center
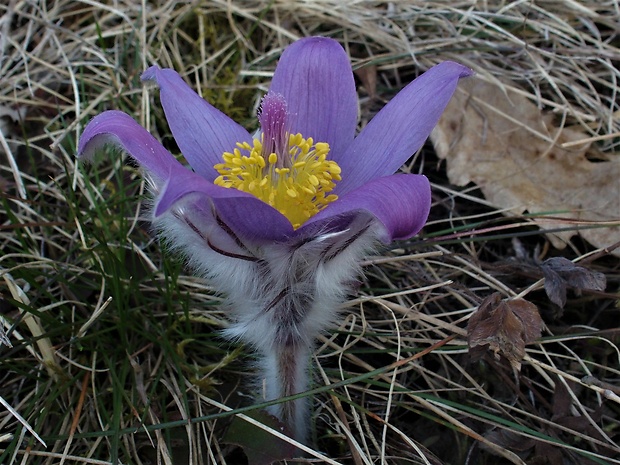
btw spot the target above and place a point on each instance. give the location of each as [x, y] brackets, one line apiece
[287, 171]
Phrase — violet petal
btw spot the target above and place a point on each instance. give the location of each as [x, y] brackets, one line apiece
[202, 132]
[246, 215]
[314, 75]
[400, 128]
[118, 128]
[401, 202]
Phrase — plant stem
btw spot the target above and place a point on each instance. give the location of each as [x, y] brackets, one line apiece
[286, 369]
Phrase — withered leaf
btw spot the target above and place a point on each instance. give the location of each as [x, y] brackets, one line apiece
[560, 274]
[504, 327]
[368, 76]
[508, 439]
[494, 136]
[259, 446]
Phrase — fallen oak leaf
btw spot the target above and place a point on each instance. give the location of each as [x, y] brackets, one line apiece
[495, 137]
[560, 274]
[503, 327]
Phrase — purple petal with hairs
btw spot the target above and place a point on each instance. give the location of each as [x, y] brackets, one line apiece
[202, 132]
[401, 202]
[314, 75]
[243, 213]
[400, 128]
[119, 129]
[249, 217]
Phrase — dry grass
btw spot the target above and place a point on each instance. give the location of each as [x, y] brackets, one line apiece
[115, 356]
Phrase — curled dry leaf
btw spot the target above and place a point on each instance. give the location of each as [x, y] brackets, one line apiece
[505, 326]
[560, 274]
[499, 140]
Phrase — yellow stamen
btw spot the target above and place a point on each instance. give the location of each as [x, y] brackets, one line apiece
[298, 187]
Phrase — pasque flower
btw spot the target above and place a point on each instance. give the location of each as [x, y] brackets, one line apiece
[277, 221]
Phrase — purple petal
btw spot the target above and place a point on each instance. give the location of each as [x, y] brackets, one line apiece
[400, 202]
[247, 216]
[314, 75]
[120, 129]
[401, 127]
[202, 132]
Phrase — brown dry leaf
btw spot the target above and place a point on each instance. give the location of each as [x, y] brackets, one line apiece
[368, 76]
[505, 326]
[499, 140]
[560, 274]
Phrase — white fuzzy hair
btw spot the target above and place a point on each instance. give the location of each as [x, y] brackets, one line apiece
[280, 295]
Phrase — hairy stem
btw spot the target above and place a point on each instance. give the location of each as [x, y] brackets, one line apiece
[286, 373]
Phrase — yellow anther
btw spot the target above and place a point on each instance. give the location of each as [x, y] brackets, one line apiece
[298, 191]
